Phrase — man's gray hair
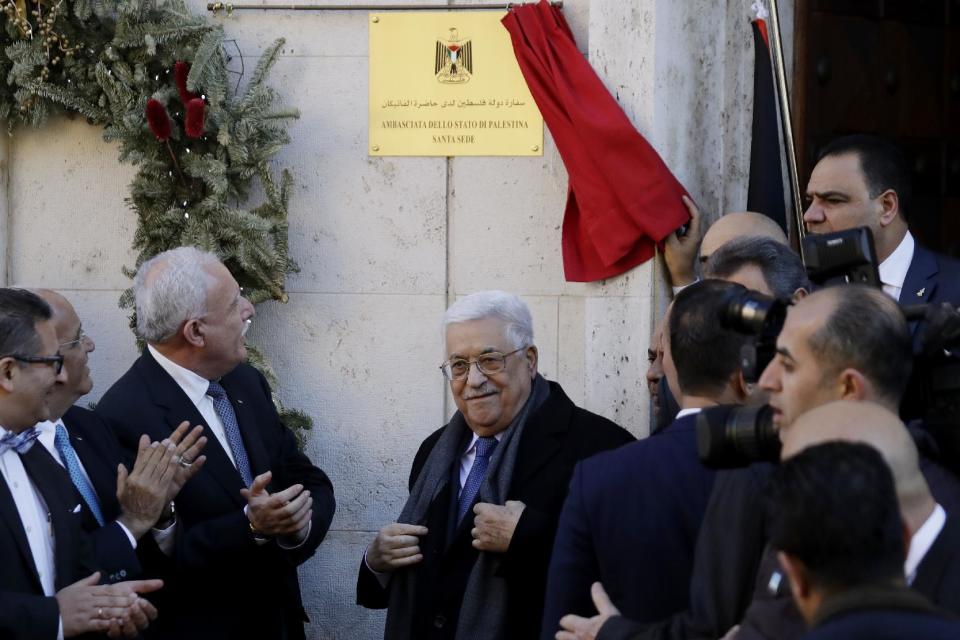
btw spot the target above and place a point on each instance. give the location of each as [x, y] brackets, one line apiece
[506, 307]
[169, 289]
[781, 267]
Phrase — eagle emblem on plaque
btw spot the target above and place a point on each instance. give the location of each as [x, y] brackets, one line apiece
[453, 62]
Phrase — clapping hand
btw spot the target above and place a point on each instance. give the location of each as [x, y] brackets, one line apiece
[285, 513]
[116, 609]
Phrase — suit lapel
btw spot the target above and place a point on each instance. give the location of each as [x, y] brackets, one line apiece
[921, 279]
[100, 468]
[61, 498]
[542, 437]
[11, 519]
[177, 407]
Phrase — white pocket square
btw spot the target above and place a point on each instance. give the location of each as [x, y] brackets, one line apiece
[76, 509]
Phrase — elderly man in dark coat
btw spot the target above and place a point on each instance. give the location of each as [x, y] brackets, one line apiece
[468, 557]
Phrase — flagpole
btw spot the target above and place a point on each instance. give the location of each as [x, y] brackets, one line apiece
[780, 78]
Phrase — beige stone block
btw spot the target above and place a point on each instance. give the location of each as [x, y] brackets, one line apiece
[70, 226]
[328, 582]
[357, 224]
[365, 368]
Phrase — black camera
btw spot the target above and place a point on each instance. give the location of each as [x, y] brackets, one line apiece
[761, 317]
[732, 436]
[842, 257]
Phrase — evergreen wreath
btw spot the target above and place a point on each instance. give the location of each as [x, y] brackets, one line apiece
[156, 78]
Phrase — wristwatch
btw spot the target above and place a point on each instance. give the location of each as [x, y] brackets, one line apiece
[166, 524]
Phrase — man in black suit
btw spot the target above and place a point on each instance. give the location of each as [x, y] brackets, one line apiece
[258, 508]
[48, 587]
[468, 557]
[118, 510]
[863, 180]
[839, 537]
[632, 515]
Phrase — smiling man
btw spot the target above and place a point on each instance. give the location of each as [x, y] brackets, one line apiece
[468, 556]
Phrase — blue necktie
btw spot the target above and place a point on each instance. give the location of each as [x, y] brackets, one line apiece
[19, 442]
[478, 471]
[232, 430]
[69, 456]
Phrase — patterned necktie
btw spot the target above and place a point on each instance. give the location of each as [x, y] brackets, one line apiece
[232, 430]
[69, 456]
[19, 442]
[478, 471]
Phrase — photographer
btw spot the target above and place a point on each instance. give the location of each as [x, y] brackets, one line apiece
[849, 342]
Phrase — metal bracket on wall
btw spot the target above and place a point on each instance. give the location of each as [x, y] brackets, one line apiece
[229, 8]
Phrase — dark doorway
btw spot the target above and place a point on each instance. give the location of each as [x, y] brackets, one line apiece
[890, 67]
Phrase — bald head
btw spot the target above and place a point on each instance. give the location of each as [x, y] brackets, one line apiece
[75, 347]
[878, 427]
[738, 225]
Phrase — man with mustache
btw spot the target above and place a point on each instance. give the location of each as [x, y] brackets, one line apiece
[468, 556]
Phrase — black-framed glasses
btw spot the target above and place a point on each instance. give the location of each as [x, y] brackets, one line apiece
[55, 361]
[488, 363]
[82, 338]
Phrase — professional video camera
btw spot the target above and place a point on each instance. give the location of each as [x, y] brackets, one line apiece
[733, 436]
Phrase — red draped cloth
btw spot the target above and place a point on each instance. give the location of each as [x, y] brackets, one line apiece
[622, 198]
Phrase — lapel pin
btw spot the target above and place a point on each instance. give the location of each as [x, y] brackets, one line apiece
[921, 292]
[239, 401]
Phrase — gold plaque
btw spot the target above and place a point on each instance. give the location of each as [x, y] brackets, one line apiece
[447, 83]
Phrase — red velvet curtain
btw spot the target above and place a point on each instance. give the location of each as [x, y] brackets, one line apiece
[622, 198]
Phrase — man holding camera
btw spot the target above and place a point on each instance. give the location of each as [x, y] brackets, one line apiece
[863, 180]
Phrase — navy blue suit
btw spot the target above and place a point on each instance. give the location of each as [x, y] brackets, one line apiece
[931, 278]
[631, 521]
[99, 451]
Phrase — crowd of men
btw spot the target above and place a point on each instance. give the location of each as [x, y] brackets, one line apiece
[181, 506]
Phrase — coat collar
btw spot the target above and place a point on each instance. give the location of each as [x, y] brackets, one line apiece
[921, 280]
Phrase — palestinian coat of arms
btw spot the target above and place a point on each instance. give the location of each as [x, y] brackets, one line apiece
[454, 59]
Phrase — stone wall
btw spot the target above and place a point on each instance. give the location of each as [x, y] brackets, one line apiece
[384, 244]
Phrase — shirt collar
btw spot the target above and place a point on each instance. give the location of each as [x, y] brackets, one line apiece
[48, 433]
[195, 386]
[893, 270]
[473, 441]
[922, 540]
[688, 412]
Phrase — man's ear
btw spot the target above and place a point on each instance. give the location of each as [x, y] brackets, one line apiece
[192, 332]
[890, 206]
[799, 294]
[8, 373]
[796, 573]
[740, 386]
[532, 356]
[853, 385]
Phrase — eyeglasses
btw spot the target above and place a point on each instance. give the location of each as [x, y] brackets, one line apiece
[55, 361]
[82, 338]
[488, 364]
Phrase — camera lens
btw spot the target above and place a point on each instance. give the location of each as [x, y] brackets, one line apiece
[731, 436]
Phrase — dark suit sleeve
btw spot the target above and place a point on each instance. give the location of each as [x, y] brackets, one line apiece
[212, 541]
[728, 552]
[114, 554]
[572, 565]
[28, 616]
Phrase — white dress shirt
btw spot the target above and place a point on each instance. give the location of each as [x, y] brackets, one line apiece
[35, 518]
[688, 412]
[893, 270]
[922, 540]
[195, 386]
[48, 435]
